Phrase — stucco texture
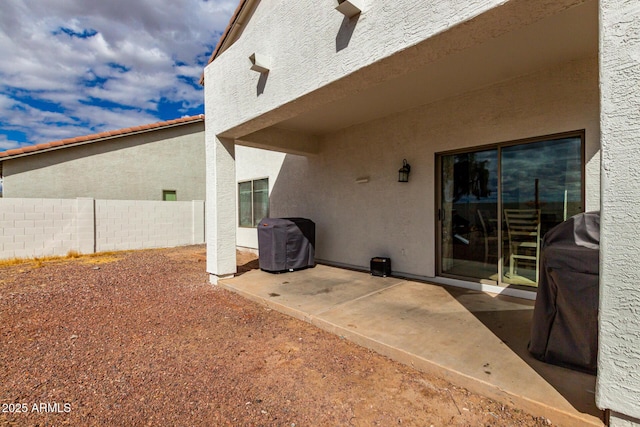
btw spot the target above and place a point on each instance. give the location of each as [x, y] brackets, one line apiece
[319, 56]
[619, 346]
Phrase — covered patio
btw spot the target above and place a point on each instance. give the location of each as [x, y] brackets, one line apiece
[474, 339]
[349, 99]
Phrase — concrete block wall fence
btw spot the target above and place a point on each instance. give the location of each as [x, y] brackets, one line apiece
[48, 227]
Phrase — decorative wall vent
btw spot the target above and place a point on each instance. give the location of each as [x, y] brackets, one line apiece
[260, 63]
[349, 8]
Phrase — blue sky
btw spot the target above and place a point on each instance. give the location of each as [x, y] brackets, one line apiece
[76, 67]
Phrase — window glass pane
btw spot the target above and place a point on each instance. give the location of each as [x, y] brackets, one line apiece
[261, 185]
[260, 200]
[541, 187]
[469, 214]
[169, 195]
[253, 202]
[244, 204]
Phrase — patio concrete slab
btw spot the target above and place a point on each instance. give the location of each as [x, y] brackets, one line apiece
[474, 339]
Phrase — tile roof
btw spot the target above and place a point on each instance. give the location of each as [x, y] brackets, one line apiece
[30, 149]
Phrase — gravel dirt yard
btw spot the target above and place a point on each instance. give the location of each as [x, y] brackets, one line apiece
[142, 339]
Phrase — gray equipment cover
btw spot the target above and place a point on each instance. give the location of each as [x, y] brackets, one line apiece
[564, 330]
[286, 244]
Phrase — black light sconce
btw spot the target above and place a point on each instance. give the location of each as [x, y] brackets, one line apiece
[403, 173]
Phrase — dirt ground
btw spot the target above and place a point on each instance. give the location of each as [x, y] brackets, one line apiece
[142, 339]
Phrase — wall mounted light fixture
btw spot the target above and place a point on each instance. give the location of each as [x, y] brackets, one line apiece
[403, 173]
[260, 63]
[349, 8]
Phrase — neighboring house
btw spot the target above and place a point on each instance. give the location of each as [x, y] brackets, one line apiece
[159, 161]
[497, 106]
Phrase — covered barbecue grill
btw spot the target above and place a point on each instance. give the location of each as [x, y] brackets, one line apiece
[564, 330]
[286, 244]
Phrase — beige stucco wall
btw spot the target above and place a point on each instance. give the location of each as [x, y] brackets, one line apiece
[301, 64]
[240, 101]
[252, 163]
[356, 221]
[318, 60]
[133, 167]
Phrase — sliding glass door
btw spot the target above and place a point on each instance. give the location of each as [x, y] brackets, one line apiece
[496, 204]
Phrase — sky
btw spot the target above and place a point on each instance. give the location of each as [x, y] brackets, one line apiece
[75, 67]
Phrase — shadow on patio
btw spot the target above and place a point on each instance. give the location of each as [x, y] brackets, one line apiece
[473, 339]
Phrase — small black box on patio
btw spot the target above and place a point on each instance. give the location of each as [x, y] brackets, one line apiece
[381, 266]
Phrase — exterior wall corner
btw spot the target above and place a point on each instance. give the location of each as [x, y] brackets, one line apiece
[618, 387]
[221, 205]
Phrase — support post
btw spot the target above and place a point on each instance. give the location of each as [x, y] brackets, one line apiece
[221, 208]
[618, 384]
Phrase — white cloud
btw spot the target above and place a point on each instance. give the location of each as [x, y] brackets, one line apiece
[135, 54]
[5, 144]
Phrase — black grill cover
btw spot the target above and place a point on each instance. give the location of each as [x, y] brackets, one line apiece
[564, 330]
[286, 244]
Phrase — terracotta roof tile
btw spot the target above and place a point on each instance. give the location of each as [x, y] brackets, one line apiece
[99, 136]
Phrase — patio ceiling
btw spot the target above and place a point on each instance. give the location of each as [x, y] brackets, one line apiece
[571, 34]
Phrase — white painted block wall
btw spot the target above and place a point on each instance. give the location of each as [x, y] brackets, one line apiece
[124, 224]
[37, 227]
[47, 227]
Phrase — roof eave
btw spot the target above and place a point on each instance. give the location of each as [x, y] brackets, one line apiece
[235, 24]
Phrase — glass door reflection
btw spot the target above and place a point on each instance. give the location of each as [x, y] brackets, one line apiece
[469, 215]
[541, 186]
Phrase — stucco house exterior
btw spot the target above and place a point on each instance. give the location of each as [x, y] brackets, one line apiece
[158, 161]
[499, 107]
